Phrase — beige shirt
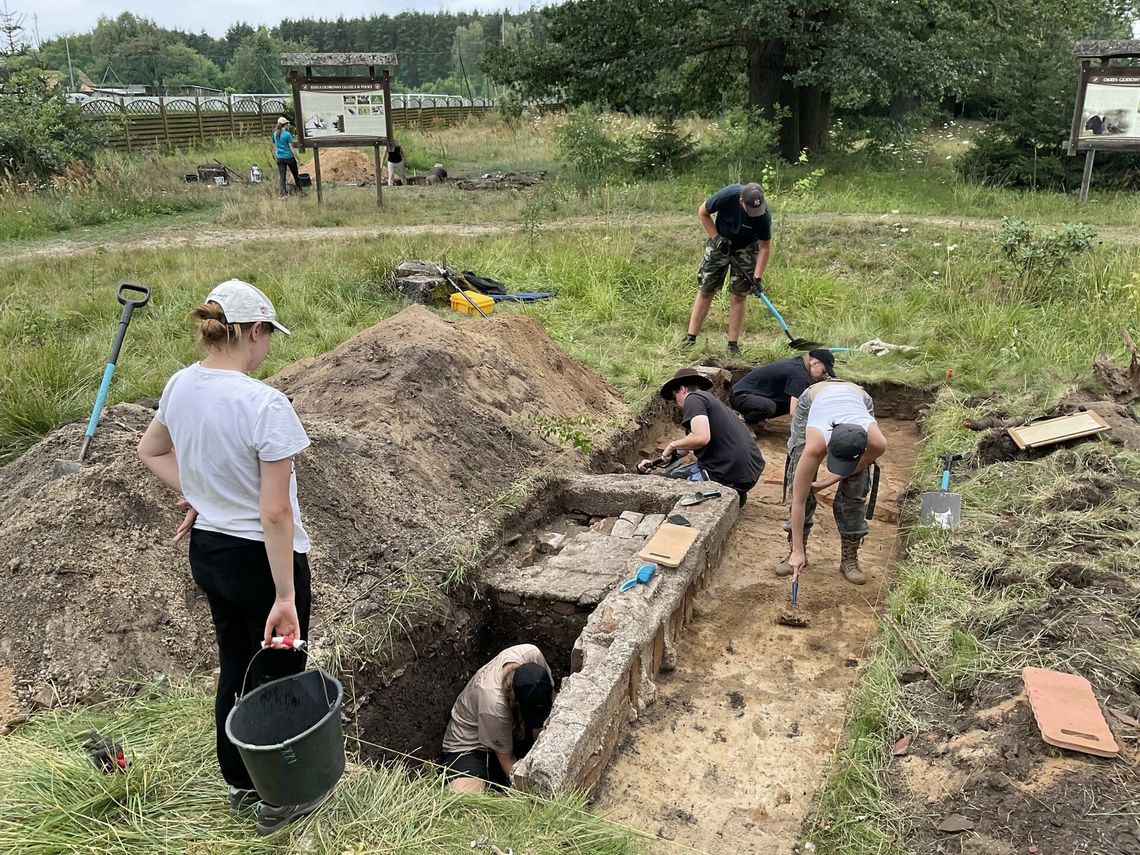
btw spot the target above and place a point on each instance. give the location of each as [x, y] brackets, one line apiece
[481, 718]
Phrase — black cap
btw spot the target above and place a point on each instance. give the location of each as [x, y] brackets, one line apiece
[534, 693]
[846, 446]
[827, 358]
[691, 375]
[752, 195]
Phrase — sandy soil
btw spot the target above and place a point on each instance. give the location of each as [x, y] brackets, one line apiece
[742, 730]
[417, 423]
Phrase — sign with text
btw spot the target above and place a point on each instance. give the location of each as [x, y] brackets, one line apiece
[1108, 109]
[342, 111]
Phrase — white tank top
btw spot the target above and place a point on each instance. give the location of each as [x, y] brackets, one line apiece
[837, 404]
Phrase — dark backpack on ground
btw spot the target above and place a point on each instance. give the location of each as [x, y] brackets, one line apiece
[484, 284]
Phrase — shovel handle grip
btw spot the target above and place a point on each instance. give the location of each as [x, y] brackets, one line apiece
[129, 287]
[947, 459]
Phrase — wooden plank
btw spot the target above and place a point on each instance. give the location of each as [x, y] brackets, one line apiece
[1067, 712]
[1056, 430]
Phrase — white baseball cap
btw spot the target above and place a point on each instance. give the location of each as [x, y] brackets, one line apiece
[243, 304]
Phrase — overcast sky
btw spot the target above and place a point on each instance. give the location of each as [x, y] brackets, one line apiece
[57, 17]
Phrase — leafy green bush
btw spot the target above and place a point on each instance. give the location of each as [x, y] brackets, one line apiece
[40, 132]
[1040, 259]
[742, 143]
[997, 160]
[591, 145]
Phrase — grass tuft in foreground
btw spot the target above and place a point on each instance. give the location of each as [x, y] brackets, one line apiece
[172, 798]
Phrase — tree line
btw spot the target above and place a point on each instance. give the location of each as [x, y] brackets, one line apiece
[803, 63]
[440, 52]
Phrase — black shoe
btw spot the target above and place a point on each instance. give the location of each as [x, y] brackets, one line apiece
[272, 817]
[733, 349]
[688, 341]
[242, 800]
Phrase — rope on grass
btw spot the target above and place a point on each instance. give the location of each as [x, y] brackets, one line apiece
[636, 832]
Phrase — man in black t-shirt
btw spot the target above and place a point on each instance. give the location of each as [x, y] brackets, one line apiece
[742, 232]
[714, 433]
[771, 390]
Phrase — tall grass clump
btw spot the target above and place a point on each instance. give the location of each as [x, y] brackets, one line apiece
[172, 798]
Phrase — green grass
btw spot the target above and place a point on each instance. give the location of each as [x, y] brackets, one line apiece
[171, 799]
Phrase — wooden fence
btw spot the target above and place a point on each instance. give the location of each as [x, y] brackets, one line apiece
[142, 124]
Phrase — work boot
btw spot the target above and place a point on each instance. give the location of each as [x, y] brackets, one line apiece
[849, 562]
[733, 349]
[688, 341]
[784, 568]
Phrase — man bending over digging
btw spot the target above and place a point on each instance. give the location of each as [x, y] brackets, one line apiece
[836, 420]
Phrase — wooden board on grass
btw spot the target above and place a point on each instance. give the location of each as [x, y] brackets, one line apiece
[1059, 429]
[1067, 712]
[669, 544]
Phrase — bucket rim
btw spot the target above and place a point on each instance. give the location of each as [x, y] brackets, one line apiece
[334, 708]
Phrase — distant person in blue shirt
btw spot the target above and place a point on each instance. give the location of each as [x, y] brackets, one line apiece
[284, 150]
[741, 232]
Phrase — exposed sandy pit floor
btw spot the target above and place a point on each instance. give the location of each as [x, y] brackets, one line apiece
[729, 757]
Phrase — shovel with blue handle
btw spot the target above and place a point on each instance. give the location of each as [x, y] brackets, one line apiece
[126, 289]
[792, 618]
[943, 509]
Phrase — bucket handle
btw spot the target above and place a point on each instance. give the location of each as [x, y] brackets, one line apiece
[298, 644]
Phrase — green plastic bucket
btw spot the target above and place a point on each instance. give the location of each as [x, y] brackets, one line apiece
[289, 736]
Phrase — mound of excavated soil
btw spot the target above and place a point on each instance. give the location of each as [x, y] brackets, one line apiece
[417, 424]
[346, 166]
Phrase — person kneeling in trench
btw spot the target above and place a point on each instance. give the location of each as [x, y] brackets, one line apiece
[723, 446]
[496, 719]
[836, 420]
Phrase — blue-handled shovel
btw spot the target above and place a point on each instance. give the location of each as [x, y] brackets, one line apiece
[793, 342]
[943, 509]
[66, 467]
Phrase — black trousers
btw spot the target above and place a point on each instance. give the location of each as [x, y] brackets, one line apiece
[287, 164]
[755, 407]
[234, 573]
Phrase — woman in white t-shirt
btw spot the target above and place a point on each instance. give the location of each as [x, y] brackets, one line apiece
[226, 442]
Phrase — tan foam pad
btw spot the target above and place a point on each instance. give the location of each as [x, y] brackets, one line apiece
[1067, 712]
[669, 544]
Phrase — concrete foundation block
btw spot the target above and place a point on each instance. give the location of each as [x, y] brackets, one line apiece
[550, 542]
[623, 528]
[648, 525]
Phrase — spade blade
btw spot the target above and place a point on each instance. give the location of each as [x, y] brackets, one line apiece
[941, 509]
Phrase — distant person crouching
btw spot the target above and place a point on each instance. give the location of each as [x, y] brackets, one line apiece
[397, 167]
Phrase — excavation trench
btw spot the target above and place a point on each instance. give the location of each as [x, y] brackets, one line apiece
[743, 727]
[688, 680]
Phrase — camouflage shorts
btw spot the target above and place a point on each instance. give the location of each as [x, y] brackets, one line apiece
[849, 507]
[715, 265]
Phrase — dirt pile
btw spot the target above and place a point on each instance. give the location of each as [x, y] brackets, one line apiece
[417, 424]
[346, 166]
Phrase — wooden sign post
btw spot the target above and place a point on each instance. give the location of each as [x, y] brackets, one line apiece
[1107, 113]
[342, 110]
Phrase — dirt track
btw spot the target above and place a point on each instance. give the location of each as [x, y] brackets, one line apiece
[195, 235]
